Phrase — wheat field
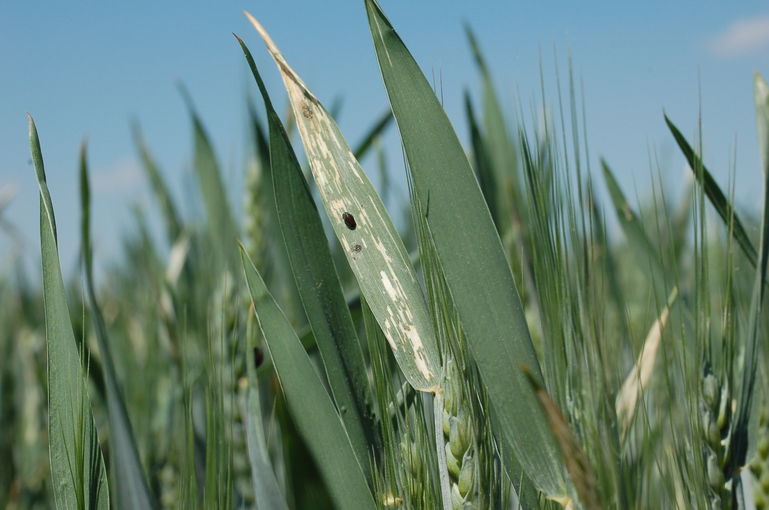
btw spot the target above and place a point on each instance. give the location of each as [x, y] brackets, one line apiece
[532, 338]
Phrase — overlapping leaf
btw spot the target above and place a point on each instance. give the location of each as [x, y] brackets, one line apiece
[309, 403]
[371, 244]
[317, 281]
[471, 254]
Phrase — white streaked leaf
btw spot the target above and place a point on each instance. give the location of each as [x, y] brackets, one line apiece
[371, 244]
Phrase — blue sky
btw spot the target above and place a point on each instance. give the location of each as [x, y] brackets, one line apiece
[87, 69]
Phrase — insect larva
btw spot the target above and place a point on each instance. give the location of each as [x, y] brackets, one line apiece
[349, 220]
[258, 357]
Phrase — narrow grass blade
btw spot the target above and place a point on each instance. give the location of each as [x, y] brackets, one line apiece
[373, 134]
[317, 281]
[159, 188]
[497, 136]
[607, 259]
[714, 194]
[579, 468]
[740, 429]
[131, 490]
[309, 403]
[221, 224]
[648, 258]
[370, 242]
[269, 494]
[472, 257]
[79, 479]
[482, 161]
[681, 219]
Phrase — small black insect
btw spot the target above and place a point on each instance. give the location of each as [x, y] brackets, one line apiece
[349, 220]
[357, 248]
[258, 357]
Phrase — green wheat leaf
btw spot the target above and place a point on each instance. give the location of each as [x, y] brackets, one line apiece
[265, 482]
[307, 399]
[131, 490]
[741, 429]
[159, 187]
[221, 224]
[647, 256]
[472, 257]
[79, 480]
[714, 193]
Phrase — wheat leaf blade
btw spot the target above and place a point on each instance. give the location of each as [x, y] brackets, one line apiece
[221, 224]
[741, 429]
[648, 257]
[131, 490]
[471, 254]
[160, 189]
[79, 479]
[307, 399]
[713, 192]
[262, 474]
[368, 237]
[317, 281]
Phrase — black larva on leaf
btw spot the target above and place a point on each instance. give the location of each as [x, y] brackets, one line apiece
[258, 357]
[349, 220]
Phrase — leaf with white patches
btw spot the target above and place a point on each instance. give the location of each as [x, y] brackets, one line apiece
[366, 232]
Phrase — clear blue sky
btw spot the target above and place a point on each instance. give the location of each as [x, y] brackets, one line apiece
[88, 68]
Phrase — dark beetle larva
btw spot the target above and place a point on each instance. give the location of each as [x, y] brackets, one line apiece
[258, 357]
[349, 220]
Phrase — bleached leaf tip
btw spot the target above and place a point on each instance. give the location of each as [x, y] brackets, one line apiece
[285, 69]
[271, 46]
